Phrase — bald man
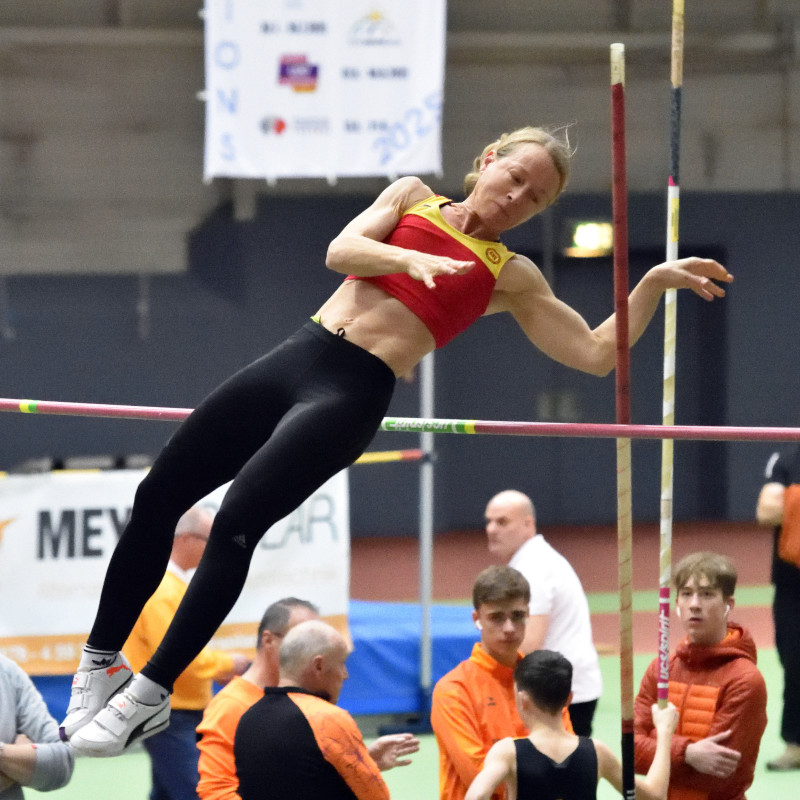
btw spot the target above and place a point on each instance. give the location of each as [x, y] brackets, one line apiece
[559, 613]
[217, 729]
[298, 743]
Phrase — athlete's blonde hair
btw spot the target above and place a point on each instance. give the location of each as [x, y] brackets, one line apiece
[555, 142]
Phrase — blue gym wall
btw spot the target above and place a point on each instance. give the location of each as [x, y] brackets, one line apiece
[251, 283]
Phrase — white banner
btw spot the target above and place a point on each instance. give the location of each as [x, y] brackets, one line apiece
[57, 532]
[323, 88]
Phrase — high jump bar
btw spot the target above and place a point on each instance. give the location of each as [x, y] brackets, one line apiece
[469, 426]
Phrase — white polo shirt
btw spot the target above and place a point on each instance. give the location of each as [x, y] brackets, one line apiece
[556, 592]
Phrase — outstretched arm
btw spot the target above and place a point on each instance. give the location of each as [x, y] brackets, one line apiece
[360, 250]
[654, 785]
[561, 333]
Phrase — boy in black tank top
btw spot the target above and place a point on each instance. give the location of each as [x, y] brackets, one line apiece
[551, 764]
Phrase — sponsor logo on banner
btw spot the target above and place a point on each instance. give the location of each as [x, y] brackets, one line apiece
[299, 125]
[3, 524]
[372, 30]
[298, 73]
[58, 531]
[273, 125]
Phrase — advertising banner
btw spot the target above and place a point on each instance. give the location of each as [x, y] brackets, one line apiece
[323, 88]
[57, 532]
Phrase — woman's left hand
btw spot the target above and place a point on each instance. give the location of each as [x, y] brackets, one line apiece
[698, 274]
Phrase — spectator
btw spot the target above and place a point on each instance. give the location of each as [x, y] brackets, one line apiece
[714, 683]
[173, 751]
[559, 612]
[216, 731]
[31, 753]
[783, 470]
[296, 743]
[551, 762]
[473, 705]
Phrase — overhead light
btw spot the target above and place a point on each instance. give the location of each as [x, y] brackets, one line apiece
[590, 239]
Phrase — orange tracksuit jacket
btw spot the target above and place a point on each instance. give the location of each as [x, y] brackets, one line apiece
[218, 780]
[715, 688]
[472, 708]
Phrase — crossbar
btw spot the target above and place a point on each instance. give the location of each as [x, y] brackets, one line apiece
[719, 433]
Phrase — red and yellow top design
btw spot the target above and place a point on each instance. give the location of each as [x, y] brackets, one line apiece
[458, 300]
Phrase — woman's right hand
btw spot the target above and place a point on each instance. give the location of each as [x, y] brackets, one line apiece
[425, 267]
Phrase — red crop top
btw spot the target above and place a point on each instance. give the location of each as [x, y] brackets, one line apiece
[458, 300]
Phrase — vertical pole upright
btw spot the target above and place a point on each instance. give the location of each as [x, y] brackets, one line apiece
[624, 498]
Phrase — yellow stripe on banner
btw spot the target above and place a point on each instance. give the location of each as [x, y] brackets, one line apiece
[469, 426]
[45, 655]
[59, 654]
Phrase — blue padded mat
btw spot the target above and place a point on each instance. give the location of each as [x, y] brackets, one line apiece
[384, 667]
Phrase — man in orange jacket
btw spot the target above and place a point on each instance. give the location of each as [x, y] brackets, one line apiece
[473, 705]
[217, 729]
[716, 686]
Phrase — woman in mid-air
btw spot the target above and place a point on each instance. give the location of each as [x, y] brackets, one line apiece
[420, 269]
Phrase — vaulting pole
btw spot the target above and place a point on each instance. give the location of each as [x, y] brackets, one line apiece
[670, 331]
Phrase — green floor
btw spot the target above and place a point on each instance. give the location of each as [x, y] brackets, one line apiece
[128, 774]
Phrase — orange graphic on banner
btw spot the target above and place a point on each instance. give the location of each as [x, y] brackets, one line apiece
[59, 654]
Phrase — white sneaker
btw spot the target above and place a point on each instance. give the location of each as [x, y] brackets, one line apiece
[121, 722]
[92, 690]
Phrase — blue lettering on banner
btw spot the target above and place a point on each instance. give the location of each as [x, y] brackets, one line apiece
[415, 124]
[314, 517]
[229, 100]
[227, 57]
[228, 150]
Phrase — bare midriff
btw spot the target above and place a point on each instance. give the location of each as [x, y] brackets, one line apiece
[379, 323]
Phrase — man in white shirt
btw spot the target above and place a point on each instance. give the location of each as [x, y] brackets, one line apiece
[559, 613]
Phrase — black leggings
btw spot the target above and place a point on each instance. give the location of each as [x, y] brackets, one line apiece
[279, 429]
